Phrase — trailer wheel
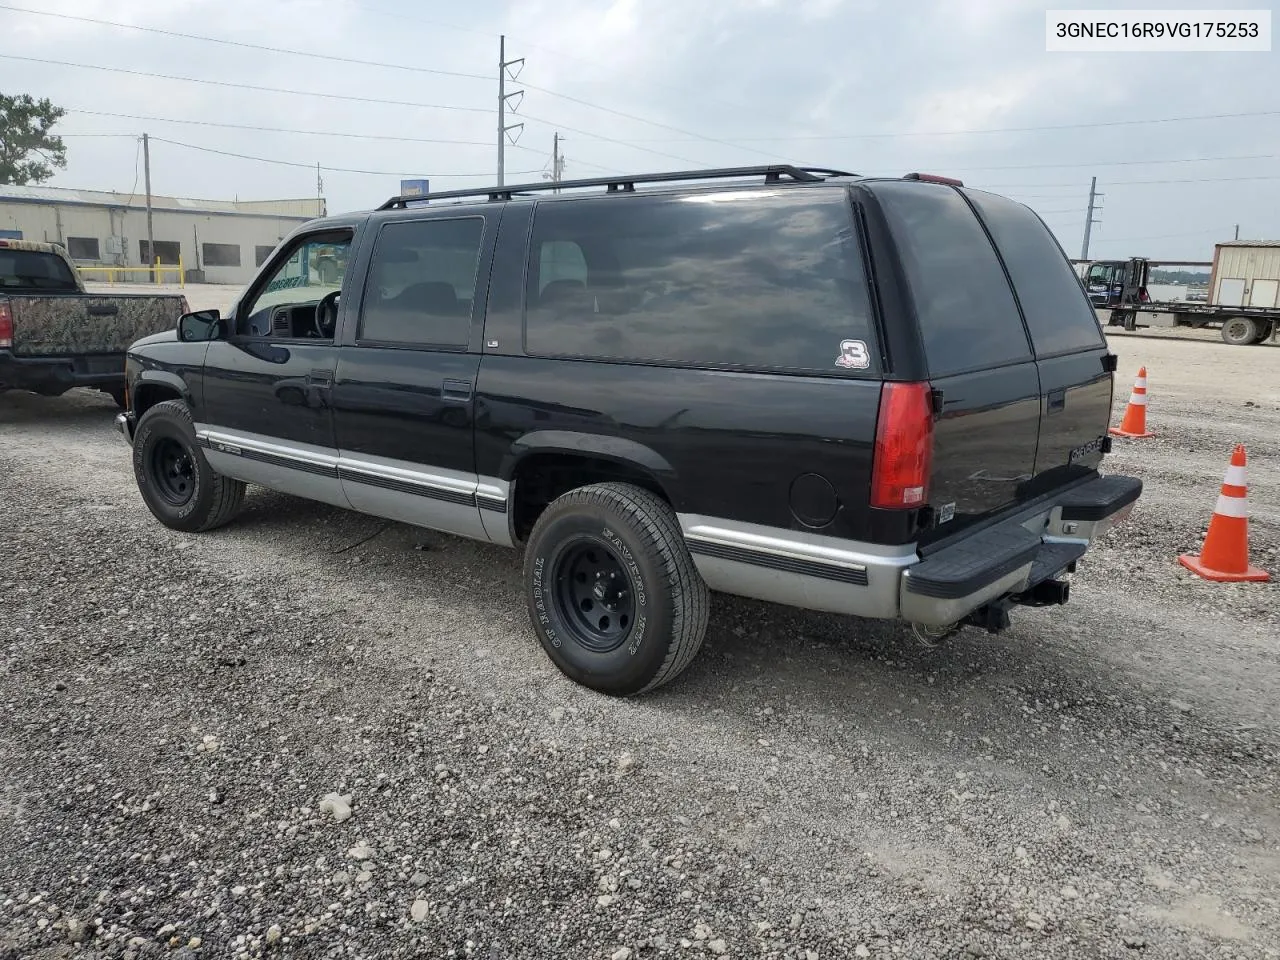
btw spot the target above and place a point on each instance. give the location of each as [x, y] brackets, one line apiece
[1239, 331]
[1264, 333]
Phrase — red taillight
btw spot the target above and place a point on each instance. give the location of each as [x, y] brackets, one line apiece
[6, 324]
[904, 446]
[934, 178]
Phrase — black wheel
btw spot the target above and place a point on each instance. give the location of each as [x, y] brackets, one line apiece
[613, 594]
[1264, 333]
[175, 480]
[1239, 331]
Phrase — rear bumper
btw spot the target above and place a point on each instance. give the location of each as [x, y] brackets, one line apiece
[1004, 561]
[53, 376]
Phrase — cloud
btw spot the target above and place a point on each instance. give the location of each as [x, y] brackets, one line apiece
[723, 82]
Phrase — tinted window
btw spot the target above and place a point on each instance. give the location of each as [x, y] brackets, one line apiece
[31, 268]
[1058, 313]
[221, 255]
[422, 282]
[967, 313]
[751, 279]
[82, 248]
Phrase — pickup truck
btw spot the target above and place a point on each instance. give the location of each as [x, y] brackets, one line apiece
[54, 335]
[880, 397]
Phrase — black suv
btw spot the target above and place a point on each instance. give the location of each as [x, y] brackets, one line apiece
[881, 397]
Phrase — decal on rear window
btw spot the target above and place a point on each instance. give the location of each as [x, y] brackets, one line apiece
[853, 355]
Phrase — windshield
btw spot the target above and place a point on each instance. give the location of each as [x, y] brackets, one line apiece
[31, 268]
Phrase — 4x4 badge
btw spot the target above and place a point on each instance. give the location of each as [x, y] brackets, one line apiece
[853, 355]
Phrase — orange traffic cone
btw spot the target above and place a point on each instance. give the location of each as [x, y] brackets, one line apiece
[1134, 423]
[1224, 558]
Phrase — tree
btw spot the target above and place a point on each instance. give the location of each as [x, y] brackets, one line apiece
[28, 151]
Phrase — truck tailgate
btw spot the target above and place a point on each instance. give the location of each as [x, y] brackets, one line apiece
[52, 324]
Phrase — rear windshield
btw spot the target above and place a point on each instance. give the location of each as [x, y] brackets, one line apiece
[968, 317]
[763, 279]
[1058, 312]
[31, 268]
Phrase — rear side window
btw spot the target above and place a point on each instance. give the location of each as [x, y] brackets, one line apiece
[1058, 313]
[968, 317]
[752, 279]
[422, 283]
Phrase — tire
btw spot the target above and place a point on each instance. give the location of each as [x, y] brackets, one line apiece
[1264, 333]
[1239, 331]
[613, 594]
[176, 482]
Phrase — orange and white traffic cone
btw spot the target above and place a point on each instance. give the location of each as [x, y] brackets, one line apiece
[1224, 558]
[1134, 424]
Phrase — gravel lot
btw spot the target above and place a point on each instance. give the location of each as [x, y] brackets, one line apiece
[1101, 781]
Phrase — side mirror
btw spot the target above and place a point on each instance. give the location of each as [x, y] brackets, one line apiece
[200, 326]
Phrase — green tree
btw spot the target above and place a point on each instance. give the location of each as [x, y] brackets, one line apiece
[29, 152]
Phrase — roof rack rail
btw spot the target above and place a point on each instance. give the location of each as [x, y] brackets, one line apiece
[626, 183]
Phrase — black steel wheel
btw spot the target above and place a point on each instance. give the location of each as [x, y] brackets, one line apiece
[614, 596]
[594, 594]
[1239, 331]
[172, 470]
[176, 482]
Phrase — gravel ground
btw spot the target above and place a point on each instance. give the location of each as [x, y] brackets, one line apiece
[186, 720]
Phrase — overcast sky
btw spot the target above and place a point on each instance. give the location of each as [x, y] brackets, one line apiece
[872, 87]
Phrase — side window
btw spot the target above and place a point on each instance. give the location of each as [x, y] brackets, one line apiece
[968, 317]
[284, 303]
[766, 279]
[422, 283]
[561, 260]
[1059, 315]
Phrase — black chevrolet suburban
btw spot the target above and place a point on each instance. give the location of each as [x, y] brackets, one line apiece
[869, 396]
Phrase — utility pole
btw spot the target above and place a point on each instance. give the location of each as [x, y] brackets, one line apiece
[557, 160]
[146, 173]
[320, 190]
[1094, 196]
[1237, 231]
[518, 95]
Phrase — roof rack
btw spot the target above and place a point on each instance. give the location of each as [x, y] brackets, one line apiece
[627, 183]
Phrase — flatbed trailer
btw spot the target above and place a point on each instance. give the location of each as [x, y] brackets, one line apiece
[1239, 325]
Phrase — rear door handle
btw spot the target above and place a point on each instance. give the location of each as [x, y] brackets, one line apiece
[456, 391]
[103, 309]
[1057, 401]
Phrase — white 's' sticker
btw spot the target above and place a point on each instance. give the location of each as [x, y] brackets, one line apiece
[853, 355]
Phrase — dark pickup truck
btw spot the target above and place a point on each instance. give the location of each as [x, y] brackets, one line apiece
[54, 335]
[880, 397]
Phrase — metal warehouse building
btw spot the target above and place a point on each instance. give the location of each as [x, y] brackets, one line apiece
[222, 241]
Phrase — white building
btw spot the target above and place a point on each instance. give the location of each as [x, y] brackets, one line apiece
[223, 240]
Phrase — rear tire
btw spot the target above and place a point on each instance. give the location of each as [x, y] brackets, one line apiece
[614, 596]
[1264, 332]
[176, 482]
[1239, 331]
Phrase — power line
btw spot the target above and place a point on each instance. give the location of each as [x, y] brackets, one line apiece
[890, 135]
[244, 45]
[311, 166]
[264, 129]
[248, 86]
[1115, 163]
[1124, 183]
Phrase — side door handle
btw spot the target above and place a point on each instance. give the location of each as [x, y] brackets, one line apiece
[456, 391]
[1057, 401]
[319, 384]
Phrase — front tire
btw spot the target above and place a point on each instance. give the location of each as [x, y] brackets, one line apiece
[613, 594]
[1239, 331]
[176, 482]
